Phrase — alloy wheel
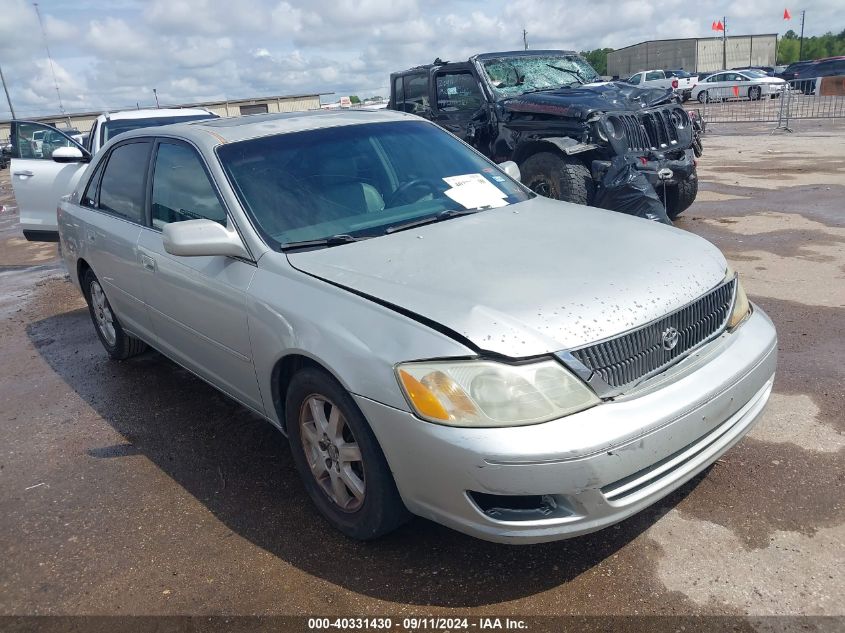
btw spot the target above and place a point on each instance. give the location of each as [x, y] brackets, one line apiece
[103, 316]
[332, 452]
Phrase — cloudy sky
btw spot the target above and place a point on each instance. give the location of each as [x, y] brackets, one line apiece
[112, 53]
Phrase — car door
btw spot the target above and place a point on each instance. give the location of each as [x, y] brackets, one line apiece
[458, 101]
[37, 180]
[112, 214]
[654, 77]
[197, 305]
[716, 86]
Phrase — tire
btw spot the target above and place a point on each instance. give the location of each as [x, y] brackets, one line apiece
[679, 197]
[560, 177]
[754, 93]
[379, 509]
[703, 97]
[118, 343]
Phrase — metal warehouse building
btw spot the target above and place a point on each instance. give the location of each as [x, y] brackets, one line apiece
[694, 54]
[83, 121]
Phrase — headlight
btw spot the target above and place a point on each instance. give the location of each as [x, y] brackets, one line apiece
[742, 307]
[485, 393]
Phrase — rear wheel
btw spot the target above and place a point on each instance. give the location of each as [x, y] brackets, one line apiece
[339, 459]
[679, 197]
[560, 177]
[118, 343]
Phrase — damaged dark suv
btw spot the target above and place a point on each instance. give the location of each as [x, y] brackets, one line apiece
[550, 113]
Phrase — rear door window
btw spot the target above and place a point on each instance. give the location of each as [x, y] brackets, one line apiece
[416, 100]
[654, 75]
[122, 189]
[458, 92]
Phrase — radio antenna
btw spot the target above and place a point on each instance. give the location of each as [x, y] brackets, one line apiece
[49, 57]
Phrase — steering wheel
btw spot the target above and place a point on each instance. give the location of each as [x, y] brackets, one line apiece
[405, 188]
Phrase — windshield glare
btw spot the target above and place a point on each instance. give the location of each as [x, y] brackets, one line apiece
[359, 180]
[511, 76]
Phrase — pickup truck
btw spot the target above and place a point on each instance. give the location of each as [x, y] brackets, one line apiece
[46, 163]
[549, 112]
[678, 80]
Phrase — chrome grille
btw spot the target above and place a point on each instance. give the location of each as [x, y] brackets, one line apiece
[639, 353]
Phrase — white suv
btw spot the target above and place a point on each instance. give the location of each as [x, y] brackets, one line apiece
[44, 172]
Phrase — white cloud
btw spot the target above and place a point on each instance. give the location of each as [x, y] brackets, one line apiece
[113, 53]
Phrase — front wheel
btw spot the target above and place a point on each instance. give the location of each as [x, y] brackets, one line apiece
[117, 342]
[339, 459]
[754, 93]
[560, 177]
[679, 197]
[703, 97]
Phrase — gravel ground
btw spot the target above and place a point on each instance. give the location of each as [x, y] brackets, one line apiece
[134, 488]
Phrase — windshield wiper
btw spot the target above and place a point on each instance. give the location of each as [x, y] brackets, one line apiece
[332, 240]
[431, 219]
[571, 72]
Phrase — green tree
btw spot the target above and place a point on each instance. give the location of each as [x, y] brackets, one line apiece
[827, 45]
[354, 99]
[597, 59]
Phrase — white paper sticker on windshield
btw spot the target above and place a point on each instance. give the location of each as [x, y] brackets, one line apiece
[473, 191]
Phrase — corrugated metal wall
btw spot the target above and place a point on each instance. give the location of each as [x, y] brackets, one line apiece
[694, 55]
[83, 123]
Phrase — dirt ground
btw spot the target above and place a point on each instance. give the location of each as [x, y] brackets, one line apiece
[134, 488]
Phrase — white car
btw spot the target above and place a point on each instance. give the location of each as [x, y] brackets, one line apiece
[43, 168]
[735, 84]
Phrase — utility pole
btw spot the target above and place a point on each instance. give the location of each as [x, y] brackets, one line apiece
[724, 42]
[525, 38]
[801, 41]
[156, 96]
[49, 58]
[8, 98]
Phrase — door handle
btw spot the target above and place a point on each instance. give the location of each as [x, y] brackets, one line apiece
[148, 262]
[24, 172]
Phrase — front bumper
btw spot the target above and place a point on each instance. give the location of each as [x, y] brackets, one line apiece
[601, 465]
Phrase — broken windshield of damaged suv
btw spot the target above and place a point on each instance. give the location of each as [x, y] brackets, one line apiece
[549, 112]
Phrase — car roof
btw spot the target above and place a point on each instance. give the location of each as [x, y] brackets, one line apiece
[483, 56]
[152, 113]
[213, 132]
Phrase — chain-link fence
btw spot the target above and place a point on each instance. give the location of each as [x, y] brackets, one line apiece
[735, 101]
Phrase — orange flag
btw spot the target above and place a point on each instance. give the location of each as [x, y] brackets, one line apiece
[786, 15]
[719, 26]
[713, 26]
[736, 91]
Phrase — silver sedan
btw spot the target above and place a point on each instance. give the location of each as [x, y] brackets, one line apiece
[432, 337]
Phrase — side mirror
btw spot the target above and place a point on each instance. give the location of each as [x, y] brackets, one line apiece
[196, 238]
[511, 169]
[67, 155]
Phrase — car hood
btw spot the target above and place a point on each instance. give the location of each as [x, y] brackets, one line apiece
[583, 101]
[528, 279]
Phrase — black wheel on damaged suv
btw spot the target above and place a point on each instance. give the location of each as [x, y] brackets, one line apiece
[559, 177]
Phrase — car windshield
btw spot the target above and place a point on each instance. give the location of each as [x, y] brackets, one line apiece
[680, 74]
[360, 181]
[113, 127]
[754, 74]
[511, 76]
